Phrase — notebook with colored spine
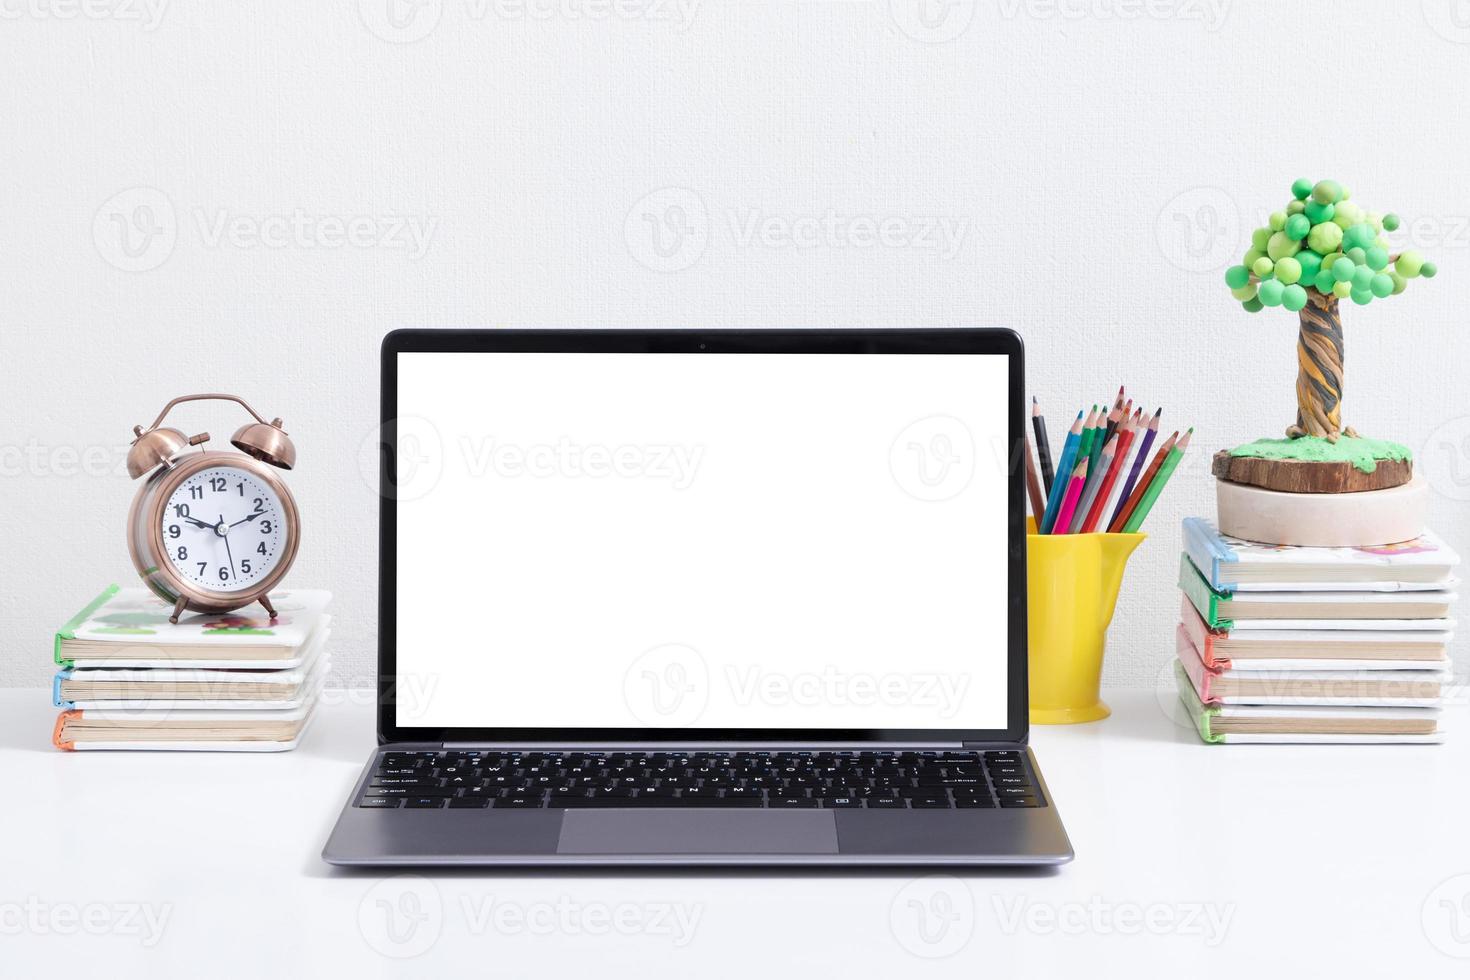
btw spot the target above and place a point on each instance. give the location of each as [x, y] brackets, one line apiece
[186, 730]
[1234, 565]
[1314, 610]
[1317, 649]
[117, 688]
[130, 627]
[1223, 684]
[1235, 723]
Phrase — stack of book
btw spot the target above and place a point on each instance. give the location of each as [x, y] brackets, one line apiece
[1279, 643]
[235, 681]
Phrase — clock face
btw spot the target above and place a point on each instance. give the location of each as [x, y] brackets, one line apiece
[224, 529]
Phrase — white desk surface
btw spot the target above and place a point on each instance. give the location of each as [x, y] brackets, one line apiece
[1192, 860]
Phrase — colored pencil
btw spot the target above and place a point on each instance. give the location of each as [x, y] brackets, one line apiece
[1141, 487]
[1126, 431]
[1149, 434]
[1064, 466]
[1043, 445]
[1107, 425]
[1089, 435]
[1033, 484]
[1094, 483]
[1156, 485]
[1074, 491]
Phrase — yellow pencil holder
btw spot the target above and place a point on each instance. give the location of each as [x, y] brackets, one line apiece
[1072, 583]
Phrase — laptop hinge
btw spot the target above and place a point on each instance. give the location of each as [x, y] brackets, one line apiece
[702, 744]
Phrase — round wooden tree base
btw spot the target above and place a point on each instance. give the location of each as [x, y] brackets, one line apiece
[1324, 520]
[1306, 476]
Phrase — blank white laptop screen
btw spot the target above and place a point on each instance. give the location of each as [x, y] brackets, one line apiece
[630, 540]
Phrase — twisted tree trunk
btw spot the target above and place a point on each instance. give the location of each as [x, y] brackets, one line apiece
[1319, 371]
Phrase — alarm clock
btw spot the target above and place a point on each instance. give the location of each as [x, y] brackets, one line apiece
[212, 530]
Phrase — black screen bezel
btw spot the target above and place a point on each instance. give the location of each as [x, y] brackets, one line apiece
[958, 341]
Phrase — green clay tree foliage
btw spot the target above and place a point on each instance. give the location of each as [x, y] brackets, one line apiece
[1319, 250]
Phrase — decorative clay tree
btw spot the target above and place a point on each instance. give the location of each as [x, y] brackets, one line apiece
[1324, 484]
[1321, 249]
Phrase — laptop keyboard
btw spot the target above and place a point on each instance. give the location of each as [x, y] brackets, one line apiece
[834, 780]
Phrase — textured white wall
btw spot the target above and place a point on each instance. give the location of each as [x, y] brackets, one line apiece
[296, 179]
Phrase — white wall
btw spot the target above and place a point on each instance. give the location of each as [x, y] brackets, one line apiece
[1096, 162]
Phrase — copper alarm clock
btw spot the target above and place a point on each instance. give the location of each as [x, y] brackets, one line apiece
[212, 530]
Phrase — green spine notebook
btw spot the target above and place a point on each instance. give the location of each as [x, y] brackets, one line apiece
[1204, 598]
[1201, 712]
[68, 631]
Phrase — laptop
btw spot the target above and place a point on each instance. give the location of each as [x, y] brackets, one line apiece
[706, 598]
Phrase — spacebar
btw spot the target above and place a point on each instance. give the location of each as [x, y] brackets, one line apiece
[657, 801]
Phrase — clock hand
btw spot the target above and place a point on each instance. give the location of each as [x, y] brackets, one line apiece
[249, 517]
[227, 548]
[197, 522]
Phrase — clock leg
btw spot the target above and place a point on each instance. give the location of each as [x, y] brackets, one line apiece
[178, 610]
[265, 600]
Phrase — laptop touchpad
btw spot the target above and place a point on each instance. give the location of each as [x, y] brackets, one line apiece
[654, 831]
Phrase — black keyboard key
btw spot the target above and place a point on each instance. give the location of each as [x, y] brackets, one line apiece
[885, 803]
[974, 802]
[423, 802]
[379, 802]
[516, 803]
[793, 803]
[929, 803]
[841, 802]
[469, 803]
[1011, 802]
[407, 791]
[1014, 791]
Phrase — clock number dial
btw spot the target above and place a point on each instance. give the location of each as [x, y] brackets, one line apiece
[223, 529]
